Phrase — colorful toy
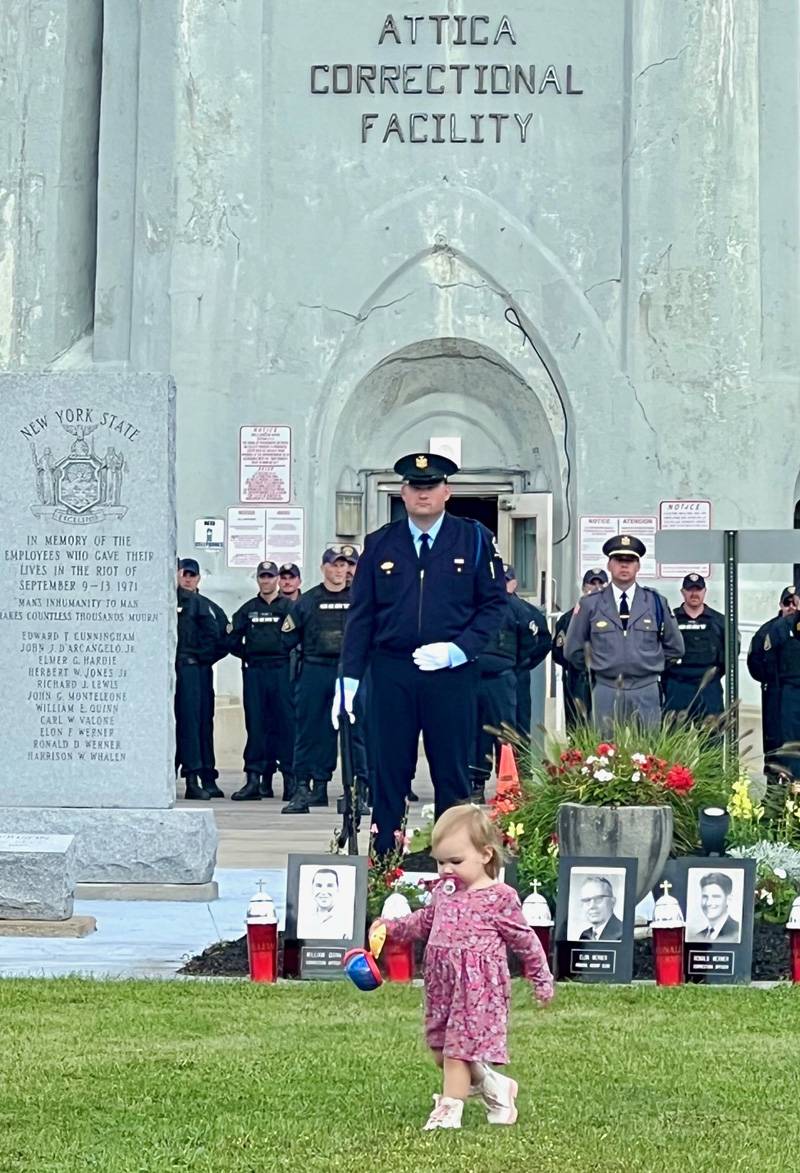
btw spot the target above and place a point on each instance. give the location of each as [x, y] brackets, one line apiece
[362, 969]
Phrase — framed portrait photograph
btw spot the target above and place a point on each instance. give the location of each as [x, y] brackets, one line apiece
[595, 912]
[714, 902]
[326, 907]
[716, 897]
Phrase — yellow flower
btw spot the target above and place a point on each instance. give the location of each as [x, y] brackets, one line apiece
[741, 806]
[514, 830]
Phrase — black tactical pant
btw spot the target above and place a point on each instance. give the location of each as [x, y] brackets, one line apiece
[577, 697]
[496, 703]
[522, 717]
[405, 702]
[681, 696]
[315, 746]
[192, 737]
[268, 718]
[210, 773]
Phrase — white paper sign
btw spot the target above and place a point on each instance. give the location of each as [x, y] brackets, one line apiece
[595, 531]
[285, 535]
[247, 537]
[209, 533]
[686, 515]
[265, 462]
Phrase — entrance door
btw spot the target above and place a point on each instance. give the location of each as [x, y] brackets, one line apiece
[525, 538]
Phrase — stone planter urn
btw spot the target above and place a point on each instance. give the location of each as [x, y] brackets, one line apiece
[643, 833]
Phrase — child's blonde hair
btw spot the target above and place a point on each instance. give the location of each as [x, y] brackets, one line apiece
[481, 830]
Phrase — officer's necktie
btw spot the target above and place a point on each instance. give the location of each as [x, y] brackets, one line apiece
[424, 550]
[624, 611]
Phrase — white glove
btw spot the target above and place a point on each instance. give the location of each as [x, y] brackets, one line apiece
[350, 690]
[432, 657]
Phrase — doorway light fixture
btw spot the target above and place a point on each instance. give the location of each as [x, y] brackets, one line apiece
[349, 513]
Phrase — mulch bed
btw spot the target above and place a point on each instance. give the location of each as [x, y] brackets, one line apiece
[770, 957]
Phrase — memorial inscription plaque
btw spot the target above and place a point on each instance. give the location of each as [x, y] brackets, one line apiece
[87, 608]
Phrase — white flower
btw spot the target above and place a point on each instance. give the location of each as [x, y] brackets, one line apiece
[603, 776]
[763, 894]
[780, 873]
[611, 753]
[602, 760]
[428, 811]
[590, 760]
[639, 758]
[584, 769]
[635, 776]
[770, 898]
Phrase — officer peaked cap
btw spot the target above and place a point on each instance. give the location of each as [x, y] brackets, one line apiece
[625, 545]
[425, 468]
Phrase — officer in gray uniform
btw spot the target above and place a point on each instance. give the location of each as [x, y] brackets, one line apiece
[623, 635]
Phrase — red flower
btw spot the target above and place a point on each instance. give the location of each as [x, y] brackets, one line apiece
[571, 757]
[605, 748]
[679, 778]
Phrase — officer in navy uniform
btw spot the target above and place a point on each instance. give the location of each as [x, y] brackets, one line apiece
[316, 621]
[576, 683]
[220, 651]
[623, 635]
[782, 645]
[197, 645]
[520, 645]
[762, 664]
[266, 687]
[703, 631]
[537, 626]
[428, 595]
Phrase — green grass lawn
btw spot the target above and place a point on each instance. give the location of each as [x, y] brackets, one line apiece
[230, 1076]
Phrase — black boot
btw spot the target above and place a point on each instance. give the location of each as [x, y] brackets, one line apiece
[210, 786]
[251, 791]
[478, 795]
[265, 787]
[288, 787]
[319, 794]
[362, 797]
[299, 800]
[194, 788]
[412, 797]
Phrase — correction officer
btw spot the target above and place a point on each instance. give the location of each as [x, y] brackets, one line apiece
[428, 595]
[693, 684]
[623, 635]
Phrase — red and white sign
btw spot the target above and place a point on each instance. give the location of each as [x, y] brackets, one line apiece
[595, 531]
[265, 464]
[687, 515]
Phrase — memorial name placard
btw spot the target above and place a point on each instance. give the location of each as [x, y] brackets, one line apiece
[86, 608]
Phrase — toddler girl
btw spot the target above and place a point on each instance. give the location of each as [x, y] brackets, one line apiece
[468, 924]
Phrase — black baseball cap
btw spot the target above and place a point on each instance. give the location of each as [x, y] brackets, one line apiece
[595, 573]
[788, 593]
[267, 568]
[624, 546]
[190, 564]
[290, 568]
[333, 553]
[425, 468]
[694, 582]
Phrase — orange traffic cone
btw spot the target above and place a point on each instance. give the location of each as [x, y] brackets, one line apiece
[507, 769]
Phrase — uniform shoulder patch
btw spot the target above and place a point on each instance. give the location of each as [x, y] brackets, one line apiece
[533, 627]
[288, 624]
[560, 639]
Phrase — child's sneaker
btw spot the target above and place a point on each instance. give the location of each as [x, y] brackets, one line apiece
[446, 1114]
[499, 1094]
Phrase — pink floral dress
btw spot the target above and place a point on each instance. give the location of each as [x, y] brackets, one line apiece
[467, 983]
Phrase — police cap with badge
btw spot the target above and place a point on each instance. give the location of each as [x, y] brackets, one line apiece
[624, 546]
[693, 582]
[425, 468]
[190, 565]
[787, 594]
[291, 569]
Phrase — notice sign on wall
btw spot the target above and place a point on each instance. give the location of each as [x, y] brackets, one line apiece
[257, 534]
[687, 515]
[265, 464]
[595, 531]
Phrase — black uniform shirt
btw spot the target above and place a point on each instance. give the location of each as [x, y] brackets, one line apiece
[256, 631]
[317, 621]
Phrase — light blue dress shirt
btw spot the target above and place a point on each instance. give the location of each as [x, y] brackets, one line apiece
[457, 657]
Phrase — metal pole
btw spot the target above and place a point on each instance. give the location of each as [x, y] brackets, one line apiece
[731, 650]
